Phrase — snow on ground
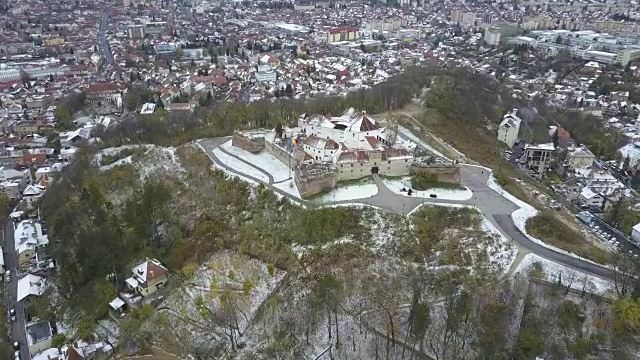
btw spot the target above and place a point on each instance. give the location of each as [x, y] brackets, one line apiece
[525, 213]
[397, 184]
[159, 160]
[289, 187]
[407, 133]
[232, 175]
[239, 166]
[349, 192]
[225, 272]
[503, 252]
[553, 271]
[263, 160]
[124, 161]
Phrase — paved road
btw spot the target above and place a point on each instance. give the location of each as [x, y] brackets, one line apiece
[103, 44]
[18, 331]
[494, 206]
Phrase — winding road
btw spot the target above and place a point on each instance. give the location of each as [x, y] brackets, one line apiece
[495, 207]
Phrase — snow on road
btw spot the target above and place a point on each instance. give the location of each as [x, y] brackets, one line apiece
[578, 280]
[239, 166]
[263, 160]
[349, 192]
[396, 185]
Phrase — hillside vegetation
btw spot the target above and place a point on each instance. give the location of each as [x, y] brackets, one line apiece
[253, 276]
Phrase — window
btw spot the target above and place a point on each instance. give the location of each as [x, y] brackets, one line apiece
[389, 162]
[374, 164]
[406, 160]
[351, 166]
[341, 165]
[388, 167]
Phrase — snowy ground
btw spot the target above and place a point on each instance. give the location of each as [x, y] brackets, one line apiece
[263, 160]
[289, 187]
[396, 185]
[408, 134]
[503, 252]
[525, 213]
[349, 192]
[239, 166]
[578, 280]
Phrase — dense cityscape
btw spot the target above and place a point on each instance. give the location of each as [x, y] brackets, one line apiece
[211, 179]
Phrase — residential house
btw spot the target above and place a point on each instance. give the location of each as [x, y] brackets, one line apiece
[39, 336]
[29, 236]
[148, 277]
[590, 199]
[580, 158]
[32, 193]
[509, 128]
[34, 159]
[538, 157]
[27, 127]
[31, 285]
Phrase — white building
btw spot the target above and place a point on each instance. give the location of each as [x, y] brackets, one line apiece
[357, 145]
[509, 129]
[538, 157]
[31, 285]
[492, 37]
[580, 158]
[28, 237]
[589, 198]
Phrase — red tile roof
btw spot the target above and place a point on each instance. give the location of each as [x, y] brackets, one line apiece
[341, 29]
[367, 124]
[29, 159]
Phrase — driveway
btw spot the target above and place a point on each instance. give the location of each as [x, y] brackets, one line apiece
[18, 330]
[496, 208]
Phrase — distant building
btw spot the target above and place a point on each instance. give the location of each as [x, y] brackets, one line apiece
[487, 18]
[492, 37]
[343, 33]
[265, 74]
[580, 158]
[136, 31]
[509, 129]
[537, 157]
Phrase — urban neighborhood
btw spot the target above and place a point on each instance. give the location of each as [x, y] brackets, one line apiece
[310, 179]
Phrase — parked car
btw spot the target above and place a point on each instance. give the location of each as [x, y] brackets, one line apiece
[16, 355]
[16, 345]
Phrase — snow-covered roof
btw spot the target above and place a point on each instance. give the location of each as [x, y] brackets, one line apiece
[587, 193]
[28, 235]
[546, 147]
[149, 270]
[132, 282]
[31, 285]
[116, 303]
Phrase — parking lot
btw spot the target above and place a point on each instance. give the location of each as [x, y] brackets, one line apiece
[608, 235]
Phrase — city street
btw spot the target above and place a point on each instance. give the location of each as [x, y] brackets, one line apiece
[18, 331]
